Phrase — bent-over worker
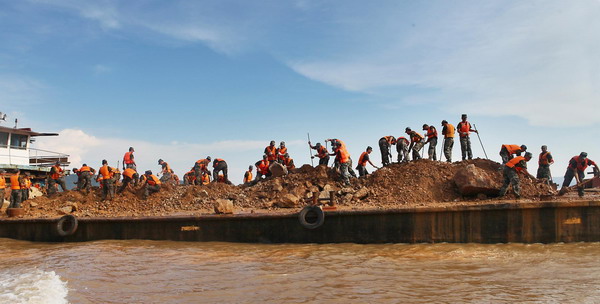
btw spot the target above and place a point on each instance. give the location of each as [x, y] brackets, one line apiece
[576, 168]
[511, 170]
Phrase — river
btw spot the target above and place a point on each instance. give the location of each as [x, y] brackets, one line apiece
[184, 272]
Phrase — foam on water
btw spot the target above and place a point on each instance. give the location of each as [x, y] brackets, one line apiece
[32, 286]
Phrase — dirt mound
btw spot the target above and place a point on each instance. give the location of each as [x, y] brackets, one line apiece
[417, 183]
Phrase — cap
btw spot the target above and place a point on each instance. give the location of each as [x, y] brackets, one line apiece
[286, 155]
[160, 160]
[318, 145]
[444, 121]
[208, 158]
[369, 148]
[407, 129]
[250, 167]
[131, 149]
[85, 165]
[148, 172]
[425, 126]
[282, 143]
[528, 154]
[463, 115]
[544, 147]
[104, 162]
[583, 154]
[264, 156]
[523, 147]
[272, 143]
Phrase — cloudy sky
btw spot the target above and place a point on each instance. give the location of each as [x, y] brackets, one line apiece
[180, 80]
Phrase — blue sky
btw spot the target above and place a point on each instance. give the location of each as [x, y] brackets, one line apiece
[180, 80]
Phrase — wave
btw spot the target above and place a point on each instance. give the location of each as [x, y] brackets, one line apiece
[32, 286]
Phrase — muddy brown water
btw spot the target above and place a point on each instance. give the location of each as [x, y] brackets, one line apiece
[183, 272]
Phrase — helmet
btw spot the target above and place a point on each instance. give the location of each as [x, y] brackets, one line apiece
[407, 129]
[425, 126]
[464, 116]
[444, 121]
[104, 162]
[282, 143]
[272, 143]
[85, 165]
[523, 147]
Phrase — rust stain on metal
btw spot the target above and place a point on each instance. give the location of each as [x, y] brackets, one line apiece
[572, 221]
[190, 228]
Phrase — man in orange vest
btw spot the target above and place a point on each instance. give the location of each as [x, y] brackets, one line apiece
[507, 152]
[262, 168]
[288, 162]
[130, 176]
[25, 186]
[448, 131]
[335, 144]
[322, 154]
[2, 186]
[576, 168]
[84, 177]
[544, 163]
[248, 175]
[511, 170]
[432, 139]
[128, 161]
[385, 143]
[271, 152]
[151, 184]
[416, 143]
[464, 128]
[402, 145]
[281, 151]
[362, 162]
[56, 178]
[106, 178]
[201, 167]
[220, 165]
[15, 190]
[343, 159]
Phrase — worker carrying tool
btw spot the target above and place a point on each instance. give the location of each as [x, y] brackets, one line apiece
[464, 129]
[271, 152]
[56, 178]
[262, 168]
[402, 145]
[544, 163]
[416, 143]
[362, 162]
[385, 145]
[576, 168]
[150, 184]
[432, 140]
[84, 178]
[220, 165]
[448, 131]
[511, 176]
[248, 175]
[322, 154]
[507, 152]
[130, 177]
[128, 161]
[106, 178]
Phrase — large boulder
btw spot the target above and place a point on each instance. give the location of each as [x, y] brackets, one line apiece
[277, 169]
[287, 201]
[472, 181]
[223, 206]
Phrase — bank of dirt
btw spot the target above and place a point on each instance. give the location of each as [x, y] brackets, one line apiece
[413, 184]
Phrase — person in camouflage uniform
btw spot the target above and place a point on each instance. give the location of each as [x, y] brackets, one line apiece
[544, 163]
[448, 131]
[402, 149]
[511, 176]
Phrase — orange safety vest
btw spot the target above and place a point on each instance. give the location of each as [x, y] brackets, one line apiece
[248, 176]
[449, 131]
[2, 182]
[464, 127]
[362, 160]
[322, 152]
[166, 168]
[581, 165]
[271, 153]
[389, 139]
[14, 182]
[26, 183]
[544, 158]
[57, 171]
[403, 139]
[127, 158]
[512, 149]
[106, 172]
[217, 161]
[513, 162]
[152, 180]
[205, 179]
[416, 137]
[287, 162]
[342, 155]
[282, 151]
[129, 172]
[432, 134]
[263, 167]
[85, 169]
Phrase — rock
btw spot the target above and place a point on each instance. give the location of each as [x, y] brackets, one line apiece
[321, 172]
[74, 205]
[35, 192]
[346, 190]
[472, 181]
[277, 169]
[203, 193]
[33, 204]
[4, 206]
[361, 193]
[65, 210]
[287, 201]
[223, 206]
[277, 187]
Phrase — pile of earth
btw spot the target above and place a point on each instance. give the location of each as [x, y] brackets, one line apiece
[412, 184]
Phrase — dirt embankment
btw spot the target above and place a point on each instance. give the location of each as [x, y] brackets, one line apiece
[419, 183]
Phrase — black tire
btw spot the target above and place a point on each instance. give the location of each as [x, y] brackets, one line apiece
[66, 225]
[311, 217]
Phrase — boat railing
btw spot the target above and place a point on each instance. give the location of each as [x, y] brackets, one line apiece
[45, 158]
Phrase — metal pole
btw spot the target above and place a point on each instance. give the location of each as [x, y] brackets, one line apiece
[480, 141]
[310, 151]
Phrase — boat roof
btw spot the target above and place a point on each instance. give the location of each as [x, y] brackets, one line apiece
[25, 131]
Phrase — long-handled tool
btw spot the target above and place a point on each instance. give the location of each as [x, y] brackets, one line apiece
[310, 151]
[480, 141]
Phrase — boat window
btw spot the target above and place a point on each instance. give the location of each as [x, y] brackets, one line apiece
[3, 139]
[18, 141]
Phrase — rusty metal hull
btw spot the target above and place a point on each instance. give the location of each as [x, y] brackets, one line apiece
[542, 222]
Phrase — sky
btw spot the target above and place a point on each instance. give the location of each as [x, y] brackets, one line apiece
[180, 80]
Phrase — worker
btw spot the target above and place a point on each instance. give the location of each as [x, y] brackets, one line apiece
[130, 177]
[448, 131]
[544, 163]
[25, 186]
[262, 168]
[362, 162]
[271, 152]
[416, 143]
[576, 168]
[205, 180]
[322, 154]
[337, 165]
[151, 184]
[248, 175]
[385, 143]
[510, 173]
[200, 167]
[220, 165]
[464, 129]
[15, 189]
[189, 178]
[432, 140]
[343, 159]
[84, 178]
[128, 161]
[281, 151]
[106, 178]
[507, 152]
[288, 162]
[2, 186]
[165, 171]
[56, 178]
[402, 145]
